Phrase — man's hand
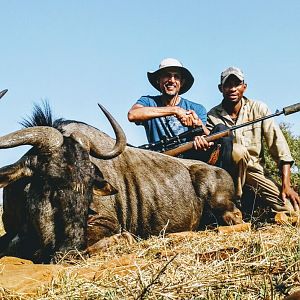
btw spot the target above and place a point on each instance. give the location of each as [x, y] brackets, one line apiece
[289, 193]
[200, 143]
[188, 118]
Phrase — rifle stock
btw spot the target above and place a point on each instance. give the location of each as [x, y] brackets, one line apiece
[189, 146]
[210, 138]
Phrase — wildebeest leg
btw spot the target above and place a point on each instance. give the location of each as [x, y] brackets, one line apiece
[13, 216]
[216, 186]
[4, 242]
[16, 241]
[107, 242]
[23, 247]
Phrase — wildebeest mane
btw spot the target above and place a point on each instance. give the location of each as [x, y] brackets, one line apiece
[42, 115]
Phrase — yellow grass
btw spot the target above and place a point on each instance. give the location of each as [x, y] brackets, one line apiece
[256, 264]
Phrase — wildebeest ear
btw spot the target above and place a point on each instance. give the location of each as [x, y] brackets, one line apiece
[103, 188]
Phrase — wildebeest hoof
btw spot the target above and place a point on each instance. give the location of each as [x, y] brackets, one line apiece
[107, 242]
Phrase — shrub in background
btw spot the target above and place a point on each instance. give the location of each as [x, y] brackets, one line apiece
[294, 144]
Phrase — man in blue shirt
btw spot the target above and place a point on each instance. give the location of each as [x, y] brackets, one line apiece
[168, 114]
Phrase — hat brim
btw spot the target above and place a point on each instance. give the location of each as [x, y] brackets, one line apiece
[239, 77]
[185, 73]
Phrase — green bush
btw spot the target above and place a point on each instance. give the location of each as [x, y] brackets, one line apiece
[294, 144]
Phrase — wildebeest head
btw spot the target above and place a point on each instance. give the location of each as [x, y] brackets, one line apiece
[58, 180]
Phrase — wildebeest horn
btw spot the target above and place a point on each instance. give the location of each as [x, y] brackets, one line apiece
[44, 137]
[120, 139]
[2, 93]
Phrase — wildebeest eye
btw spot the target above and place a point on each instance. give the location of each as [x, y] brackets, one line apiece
[103, 188]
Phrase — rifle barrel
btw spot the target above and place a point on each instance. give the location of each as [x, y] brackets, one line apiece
[291, 109]
[210, 138]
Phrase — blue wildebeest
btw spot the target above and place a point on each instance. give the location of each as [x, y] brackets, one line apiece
[155, 191]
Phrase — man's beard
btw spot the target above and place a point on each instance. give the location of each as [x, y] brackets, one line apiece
[169, 94]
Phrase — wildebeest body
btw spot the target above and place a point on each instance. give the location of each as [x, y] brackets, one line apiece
[155, 192]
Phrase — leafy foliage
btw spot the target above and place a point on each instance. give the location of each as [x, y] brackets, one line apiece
[294, 144]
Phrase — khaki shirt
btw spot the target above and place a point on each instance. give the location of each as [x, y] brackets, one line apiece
[252, 136]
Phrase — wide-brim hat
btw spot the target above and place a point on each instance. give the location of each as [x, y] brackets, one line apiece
[169, 63]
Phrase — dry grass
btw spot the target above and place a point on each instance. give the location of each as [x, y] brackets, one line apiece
[258, 264]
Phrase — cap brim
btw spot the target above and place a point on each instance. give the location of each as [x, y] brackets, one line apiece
[186, 75]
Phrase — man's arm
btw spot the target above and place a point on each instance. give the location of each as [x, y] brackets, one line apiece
[188, 118]
[140, 113]
[287, 191]
[280, 152]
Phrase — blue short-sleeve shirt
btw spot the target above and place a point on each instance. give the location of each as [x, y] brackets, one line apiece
[169, 126]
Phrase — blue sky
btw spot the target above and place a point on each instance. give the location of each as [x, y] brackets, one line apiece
[77, 53]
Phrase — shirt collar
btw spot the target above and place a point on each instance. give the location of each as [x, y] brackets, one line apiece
[224, 113]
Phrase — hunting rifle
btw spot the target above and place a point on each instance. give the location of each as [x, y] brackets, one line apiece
[2, 93]
[170, 143]
[189, 145]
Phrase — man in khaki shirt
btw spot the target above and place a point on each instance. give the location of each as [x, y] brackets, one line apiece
[248, 161]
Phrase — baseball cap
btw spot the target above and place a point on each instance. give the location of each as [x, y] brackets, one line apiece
[232, 71]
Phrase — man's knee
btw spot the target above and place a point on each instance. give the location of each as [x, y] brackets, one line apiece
[240, 153]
